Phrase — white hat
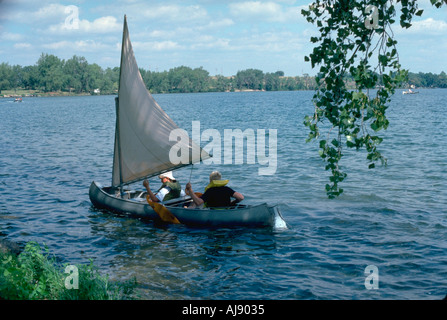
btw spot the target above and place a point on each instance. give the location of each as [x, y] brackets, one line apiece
[167, 175]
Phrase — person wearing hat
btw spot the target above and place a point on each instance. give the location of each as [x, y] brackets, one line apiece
[170, 188]
[217, 194]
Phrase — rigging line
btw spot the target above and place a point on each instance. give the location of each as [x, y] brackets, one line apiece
[192, 166]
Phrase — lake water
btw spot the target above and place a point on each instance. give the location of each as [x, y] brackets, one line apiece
[393, 218]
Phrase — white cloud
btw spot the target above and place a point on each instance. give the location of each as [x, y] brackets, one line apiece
[429, 26]
[22, 45]
[81, 46]
[267, 11]
[57, 45]
[219, 24]
[272, 42]
[175, 13]
[50, 12]
[165, 34]
[155, 45]
[101, 25]
[229, 35]
[8, 36]
[209, 42]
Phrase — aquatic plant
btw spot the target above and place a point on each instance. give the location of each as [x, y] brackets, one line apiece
[34, 275]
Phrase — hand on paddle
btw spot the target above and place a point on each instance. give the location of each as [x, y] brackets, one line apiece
[188, 189]
[197, 201]
[163, 212]
[150, 194]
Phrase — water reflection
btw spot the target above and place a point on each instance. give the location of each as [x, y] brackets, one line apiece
[178, 262]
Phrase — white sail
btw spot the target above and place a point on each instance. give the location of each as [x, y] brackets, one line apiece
[142, 128]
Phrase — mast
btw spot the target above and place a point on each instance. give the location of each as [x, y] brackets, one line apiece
[117, 149]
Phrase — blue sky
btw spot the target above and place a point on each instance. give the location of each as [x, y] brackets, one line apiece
[220, 36]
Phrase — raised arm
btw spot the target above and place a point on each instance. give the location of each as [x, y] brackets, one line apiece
[188, 189]
[149, 191]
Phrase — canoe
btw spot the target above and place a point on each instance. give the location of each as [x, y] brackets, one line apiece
[134, 204]
[142, 150]
[260, 215]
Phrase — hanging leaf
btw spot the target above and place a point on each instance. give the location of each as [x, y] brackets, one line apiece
[346, 47]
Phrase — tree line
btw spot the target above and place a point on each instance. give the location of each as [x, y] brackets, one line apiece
[77, 76]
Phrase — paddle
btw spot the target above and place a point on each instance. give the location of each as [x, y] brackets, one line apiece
[163, 212]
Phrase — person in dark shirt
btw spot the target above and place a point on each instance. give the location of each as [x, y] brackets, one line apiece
[217, 194]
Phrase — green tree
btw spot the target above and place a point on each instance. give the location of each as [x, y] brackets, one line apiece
[30, 79]
[95, 76]
[83, 74]
[158, 82]
[351, 35]
[416, 79]
[200, 80]
[111, 79]
[16, 77]
[442, 80]
[51, 75]
[184, 79]
[5, 76]
[175, 77]
[77, 68]
[272, 82]
[220, 83]
[250, 79]
[74, 70]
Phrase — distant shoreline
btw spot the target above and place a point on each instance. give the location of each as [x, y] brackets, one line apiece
[51, 76]
[9, 94]
[34, 93]
[22, 93]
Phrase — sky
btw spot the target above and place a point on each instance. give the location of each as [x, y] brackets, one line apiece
[222, 37]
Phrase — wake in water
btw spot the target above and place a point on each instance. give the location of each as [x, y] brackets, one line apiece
[280, 223]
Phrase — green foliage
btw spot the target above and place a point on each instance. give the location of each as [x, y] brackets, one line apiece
[250, 79]
[350, 40]
[33, 275]
[76, 75]
[428, 80]
[185, 80]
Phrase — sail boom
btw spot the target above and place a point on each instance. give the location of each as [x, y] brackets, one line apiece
[151, 175]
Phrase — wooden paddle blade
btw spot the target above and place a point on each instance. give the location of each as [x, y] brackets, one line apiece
[163, 212]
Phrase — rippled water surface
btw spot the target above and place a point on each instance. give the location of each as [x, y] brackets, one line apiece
[391, 217]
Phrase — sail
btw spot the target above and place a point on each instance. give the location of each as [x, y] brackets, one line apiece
[142, 127]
